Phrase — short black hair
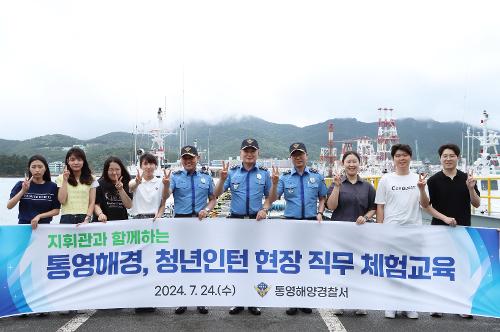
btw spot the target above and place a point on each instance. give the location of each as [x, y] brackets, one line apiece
[450, 146]
[348, 153]
[149, 158]
[403, 147]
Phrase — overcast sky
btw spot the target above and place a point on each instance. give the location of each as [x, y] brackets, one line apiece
[90, 67]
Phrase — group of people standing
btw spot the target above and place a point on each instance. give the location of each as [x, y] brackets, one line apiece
[81, 198]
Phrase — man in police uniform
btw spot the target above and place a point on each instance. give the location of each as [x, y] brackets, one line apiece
[192, 189]
[305, 193]
[248, 183]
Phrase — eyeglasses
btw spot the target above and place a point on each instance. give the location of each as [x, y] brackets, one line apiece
[448, 156]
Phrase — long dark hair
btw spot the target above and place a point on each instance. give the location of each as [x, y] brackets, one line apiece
[125, 173]
[46, 175]
[86, 175]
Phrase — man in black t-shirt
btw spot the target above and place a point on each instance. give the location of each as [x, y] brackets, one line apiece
[451, 194]
[452, 191]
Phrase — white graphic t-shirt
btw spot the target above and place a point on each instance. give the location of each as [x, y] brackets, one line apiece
[401, 199]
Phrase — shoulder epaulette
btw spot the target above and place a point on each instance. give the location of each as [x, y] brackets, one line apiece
[204, 171]
[178, 172]
[234, 167]
[263, 168]
[313, 170]
[287, 172]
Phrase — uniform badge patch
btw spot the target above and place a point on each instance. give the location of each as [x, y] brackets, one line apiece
[312, 180]
[203, 180]
[259, 176]
[235, 186]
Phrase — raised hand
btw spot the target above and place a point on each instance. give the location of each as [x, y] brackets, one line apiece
[471, 181]
[422, 180]
[275, 175]
[224, 171]
[25, 186]
[65, 174]
[138, 177]
[166, 177]
[336, 179]
[118, 182]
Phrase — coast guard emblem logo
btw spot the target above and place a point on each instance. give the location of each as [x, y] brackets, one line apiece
[259, 176]
[295, 146]
[262, 289]
[235, 186]
[202, 180]
[312, 180]
[188, 149]
[249, 141]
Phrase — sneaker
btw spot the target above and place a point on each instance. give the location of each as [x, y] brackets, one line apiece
[291, 311]
[338, 312]
[68, 312]
[254, 310]
[361, 312]
[436, 314]
[412, 314]
[390, 314]
[235, 310]
[466, 316]
[306, 310]
[180, 310]
[202, 310]
[144, 310]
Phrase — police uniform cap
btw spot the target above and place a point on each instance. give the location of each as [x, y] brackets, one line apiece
[297, 147]
[249, 143]
[189, 150]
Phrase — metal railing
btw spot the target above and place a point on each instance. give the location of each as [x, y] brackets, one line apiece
[488, 190]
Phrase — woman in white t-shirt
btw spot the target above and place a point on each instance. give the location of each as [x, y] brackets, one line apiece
[150, 192]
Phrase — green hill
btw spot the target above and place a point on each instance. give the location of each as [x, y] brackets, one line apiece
[226, 137]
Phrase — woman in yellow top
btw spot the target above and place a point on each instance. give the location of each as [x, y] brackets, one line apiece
[77, 188]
